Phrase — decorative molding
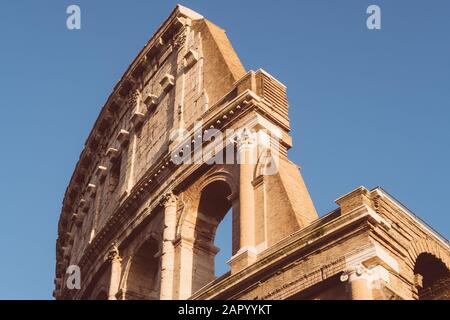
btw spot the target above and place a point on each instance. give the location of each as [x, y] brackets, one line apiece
[167, 82]
[134, 99]
[100, 172]
[151, 101]
[180, 39]
[91, 190]
[353, 272]
[112, 154]
[168, 199]
[159, 43]
[215, 116]
[377, 277]
[371, 256]
[305, 280]
[137, 118]
[149, 180]
[113, 254]
[244, 139]
[123, 136]
[191, 58]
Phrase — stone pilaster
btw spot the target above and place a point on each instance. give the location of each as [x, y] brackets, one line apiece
[115, 261]
[246, 255]
[185, 250]
[363, 281]
[358, 279]
[169, 202]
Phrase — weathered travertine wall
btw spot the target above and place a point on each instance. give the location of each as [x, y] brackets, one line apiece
[140, 225]
[367, 249]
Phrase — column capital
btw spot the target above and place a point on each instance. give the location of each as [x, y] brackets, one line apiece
[134, 98]
[244, 138]
[352, 273]
[168, 199]
[113, 254]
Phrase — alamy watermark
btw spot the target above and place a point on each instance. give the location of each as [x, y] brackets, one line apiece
[73, 21]
[374, 20]
[74, 277]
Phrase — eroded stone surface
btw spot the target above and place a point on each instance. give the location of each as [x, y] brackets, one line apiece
[141, 227]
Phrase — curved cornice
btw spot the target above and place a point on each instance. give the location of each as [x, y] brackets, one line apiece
[252, 91]
[163, 170]
[179, 17]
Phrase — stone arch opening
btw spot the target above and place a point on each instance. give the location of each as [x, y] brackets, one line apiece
[214, 204]
[432, 278]
[223, 240]
[143, 277]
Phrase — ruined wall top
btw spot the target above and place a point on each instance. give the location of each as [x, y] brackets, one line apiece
[187, 71]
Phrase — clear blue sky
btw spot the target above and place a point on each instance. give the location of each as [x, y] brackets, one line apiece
[367, 107]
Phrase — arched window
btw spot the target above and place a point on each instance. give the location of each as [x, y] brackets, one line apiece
[432, 278]
[214, 205]
[223, 241]
[143, 277]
